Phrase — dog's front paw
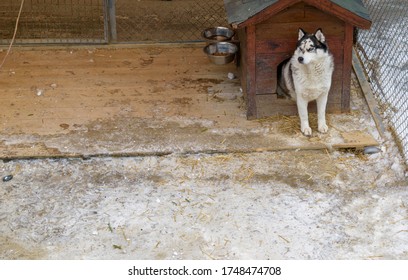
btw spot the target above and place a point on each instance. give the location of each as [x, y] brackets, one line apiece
[306, 130]
[323, 128]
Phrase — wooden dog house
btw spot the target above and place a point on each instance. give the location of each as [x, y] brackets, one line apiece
[267, 31]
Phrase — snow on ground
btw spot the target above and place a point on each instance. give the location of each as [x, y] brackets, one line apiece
[257, 205]
[266, 205]
[279, 205]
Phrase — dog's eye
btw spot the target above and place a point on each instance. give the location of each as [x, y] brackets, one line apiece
[311, 49]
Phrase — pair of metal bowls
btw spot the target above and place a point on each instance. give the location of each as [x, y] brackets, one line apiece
[218, 49]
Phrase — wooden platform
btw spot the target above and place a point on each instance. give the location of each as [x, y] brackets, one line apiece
[146, 100]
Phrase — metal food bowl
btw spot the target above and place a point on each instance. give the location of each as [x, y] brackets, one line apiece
[217, 34]
[221, 52]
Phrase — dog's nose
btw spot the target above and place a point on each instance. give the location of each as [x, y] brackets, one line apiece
[300, 59]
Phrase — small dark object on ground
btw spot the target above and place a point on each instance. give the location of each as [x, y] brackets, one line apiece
[7, 178]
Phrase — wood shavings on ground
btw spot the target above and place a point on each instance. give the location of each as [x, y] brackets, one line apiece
[290, 125]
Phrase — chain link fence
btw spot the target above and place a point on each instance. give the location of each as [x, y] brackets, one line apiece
[92, 21]
[167, 20]
[384, 53]
[54, 21]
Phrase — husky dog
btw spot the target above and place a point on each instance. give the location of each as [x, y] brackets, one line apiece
[307, 76]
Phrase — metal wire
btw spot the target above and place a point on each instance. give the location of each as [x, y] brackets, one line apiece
[384, 53]
[14, 34]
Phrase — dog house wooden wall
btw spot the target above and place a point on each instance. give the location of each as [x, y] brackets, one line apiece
[267, 31]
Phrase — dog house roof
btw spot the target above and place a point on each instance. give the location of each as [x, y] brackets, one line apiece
[241, 13]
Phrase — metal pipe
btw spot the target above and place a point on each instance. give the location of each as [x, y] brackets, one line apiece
[113, 37]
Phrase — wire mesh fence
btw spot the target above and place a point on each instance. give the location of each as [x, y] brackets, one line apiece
[384, 52]
[167, 20]
[89, 21]
[54, 21]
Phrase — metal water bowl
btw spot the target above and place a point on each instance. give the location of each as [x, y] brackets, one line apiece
[221, 52]
[217, 34]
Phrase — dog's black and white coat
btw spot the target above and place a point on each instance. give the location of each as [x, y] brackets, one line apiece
[307, 76]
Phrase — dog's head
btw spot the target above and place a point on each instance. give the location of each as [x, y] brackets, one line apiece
[310, 46]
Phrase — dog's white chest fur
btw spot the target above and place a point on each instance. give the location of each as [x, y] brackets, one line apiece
[313, 79]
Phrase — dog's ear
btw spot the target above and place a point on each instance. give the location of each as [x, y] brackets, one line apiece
[320, 36]
[301, 33]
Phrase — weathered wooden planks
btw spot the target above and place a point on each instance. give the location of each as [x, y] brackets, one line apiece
[130, 102]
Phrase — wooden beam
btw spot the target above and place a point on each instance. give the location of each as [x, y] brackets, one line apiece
[368, 94]
[348, 45]
[251, 72]
[268, 12]
[340, 12]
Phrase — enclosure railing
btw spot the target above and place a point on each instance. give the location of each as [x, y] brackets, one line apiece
[384, 53]
[166, 21]
[108, 21]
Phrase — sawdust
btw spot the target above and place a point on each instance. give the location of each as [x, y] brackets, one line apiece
[15, 251]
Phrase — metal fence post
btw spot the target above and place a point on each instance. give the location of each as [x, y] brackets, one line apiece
[113, 36]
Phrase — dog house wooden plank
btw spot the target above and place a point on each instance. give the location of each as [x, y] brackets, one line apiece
[278, 45]
[266, 71]
[271, 105]
[333, 28]
[356, 139]
[300, 12]
[274, 7]
[251, 71]
[352, 12]
[290, 14]
[347, 61]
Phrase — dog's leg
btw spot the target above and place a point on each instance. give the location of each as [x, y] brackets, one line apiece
[321, 102]
[304, 118]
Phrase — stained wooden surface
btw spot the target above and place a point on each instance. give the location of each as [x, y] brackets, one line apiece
[346, 68]
[52, 90]
[146, 100]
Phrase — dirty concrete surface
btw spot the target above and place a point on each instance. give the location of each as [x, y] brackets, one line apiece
[270, 205]
[260, 205]
[193, 204]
